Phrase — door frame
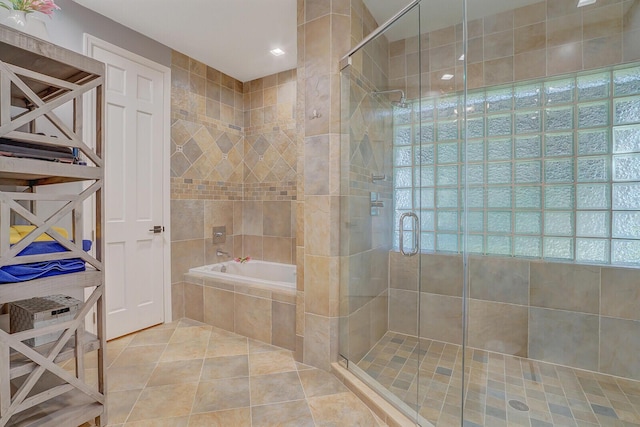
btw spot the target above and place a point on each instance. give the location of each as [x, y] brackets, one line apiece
[89, 43]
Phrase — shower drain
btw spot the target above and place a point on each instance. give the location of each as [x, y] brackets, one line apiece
[520, 406]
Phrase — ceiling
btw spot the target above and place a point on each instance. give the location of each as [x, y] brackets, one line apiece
[235, 36]
[232, 36]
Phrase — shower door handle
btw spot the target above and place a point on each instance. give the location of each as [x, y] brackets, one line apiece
[416, 234]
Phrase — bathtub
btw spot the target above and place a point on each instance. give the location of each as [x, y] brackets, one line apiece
[256, 299]
[262, 274]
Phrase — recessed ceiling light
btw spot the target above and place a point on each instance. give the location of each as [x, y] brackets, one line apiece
[277, 52]
[447, 76]
[585, 2]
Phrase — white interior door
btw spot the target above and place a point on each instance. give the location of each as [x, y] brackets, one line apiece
[135, 133]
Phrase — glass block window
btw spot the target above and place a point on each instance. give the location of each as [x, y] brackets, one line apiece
[552, 169]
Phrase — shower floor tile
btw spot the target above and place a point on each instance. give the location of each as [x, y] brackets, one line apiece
[501, 390]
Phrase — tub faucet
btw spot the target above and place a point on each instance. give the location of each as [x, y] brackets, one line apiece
[220, 253]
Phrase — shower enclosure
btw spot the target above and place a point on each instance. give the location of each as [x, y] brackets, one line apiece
[490, 210]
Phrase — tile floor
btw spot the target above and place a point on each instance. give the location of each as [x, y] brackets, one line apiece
[187, 374]
[552, 395]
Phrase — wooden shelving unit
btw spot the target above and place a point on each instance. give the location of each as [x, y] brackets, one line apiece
[37, 79]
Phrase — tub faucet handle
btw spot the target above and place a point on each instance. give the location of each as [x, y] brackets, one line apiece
[221, 253]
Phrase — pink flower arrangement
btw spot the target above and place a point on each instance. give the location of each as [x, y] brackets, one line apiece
[46, 7]
[243, 259]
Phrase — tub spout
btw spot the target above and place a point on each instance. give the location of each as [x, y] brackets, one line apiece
[221, 253]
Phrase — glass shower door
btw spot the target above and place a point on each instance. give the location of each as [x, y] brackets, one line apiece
[401, 323]
[379, 319]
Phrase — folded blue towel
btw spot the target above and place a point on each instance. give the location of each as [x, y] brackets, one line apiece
[34, 270]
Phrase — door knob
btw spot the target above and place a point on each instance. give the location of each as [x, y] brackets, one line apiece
[157, 229]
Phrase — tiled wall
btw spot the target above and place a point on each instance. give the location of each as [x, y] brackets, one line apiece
[233, 164]
[270, 164]
[258, 313]
[581, 316]
[543, 39]
[326, 31]
[207, 170]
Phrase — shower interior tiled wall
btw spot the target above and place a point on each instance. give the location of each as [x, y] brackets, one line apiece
[554, 279]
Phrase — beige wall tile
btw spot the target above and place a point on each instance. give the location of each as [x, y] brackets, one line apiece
[317, 48]
[317, 333]
[320, 213]
[602, 21]
[379, 317]
[564, 337]
[565, 287]
[441, 318]
[530, 37]
[317, 165]
[217, 213]
[277, 249]
[442, 57]
[564, 59]
[277, 218]
[252, 214]
[403, 272]
[475, 75]
[340, 39]
[358, 333]
[441, 274]
[499, 327]
[441, 37]
[631, 15]
[498, 71]
[317, 277]
[498, 45]
[177, 300]
[396, 48]
[403, 311]
[184, 255]
[300, 268]
[317, 105]
[179, 59]
[218, 308]
[564, 30]
[253, 317]
[630, 48]
[531, 14]
[602, 51]
[619, 347]
[316, 8]
[194, 302]
[475, 51]
[620, 294]
[530, 65]
[559, 8]
[252, 246]
[498, 22]
[499, 279]
[283, 327]
[187, 219]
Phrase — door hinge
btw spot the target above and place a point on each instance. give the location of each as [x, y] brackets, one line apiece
[94, 317]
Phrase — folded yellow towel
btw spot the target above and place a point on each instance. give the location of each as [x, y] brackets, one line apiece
[18, 232]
